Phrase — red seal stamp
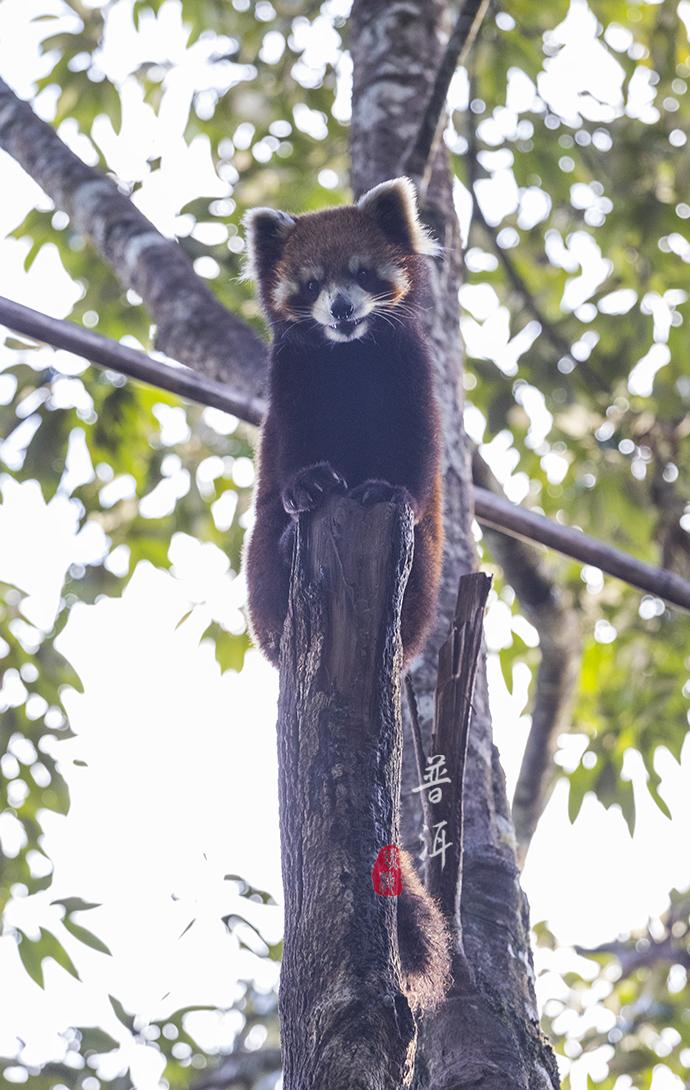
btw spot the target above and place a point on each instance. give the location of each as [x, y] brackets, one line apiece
[386, 875]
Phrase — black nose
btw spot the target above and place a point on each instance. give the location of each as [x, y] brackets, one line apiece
[341, 308]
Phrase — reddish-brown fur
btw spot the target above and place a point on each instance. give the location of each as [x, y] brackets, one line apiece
[361, 415]
[366, 408]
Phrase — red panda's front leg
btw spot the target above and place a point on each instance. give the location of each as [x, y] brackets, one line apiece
[378, 491]
[308, 488]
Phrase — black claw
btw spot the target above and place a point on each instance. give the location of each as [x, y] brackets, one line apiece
[310, 486]
[374, 491]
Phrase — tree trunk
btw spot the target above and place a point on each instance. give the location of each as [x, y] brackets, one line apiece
[345, 1021]
[487, 1032]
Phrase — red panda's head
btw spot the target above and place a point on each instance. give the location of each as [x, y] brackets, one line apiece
[334, 274]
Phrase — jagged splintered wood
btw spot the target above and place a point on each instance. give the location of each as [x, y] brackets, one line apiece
[344, 1018]
[457, 668]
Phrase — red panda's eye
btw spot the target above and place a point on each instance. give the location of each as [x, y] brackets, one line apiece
[364, 276]
[311, 288]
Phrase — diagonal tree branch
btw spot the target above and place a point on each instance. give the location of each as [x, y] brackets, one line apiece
[634, 955]
[129, 361]
[520, 522]
[560, 641]
[421, 156]
[192, 326]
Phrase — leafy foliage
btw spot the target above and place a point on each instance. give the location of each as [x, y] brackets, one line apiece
[578, 280]
[628, 1004]
[574, 315]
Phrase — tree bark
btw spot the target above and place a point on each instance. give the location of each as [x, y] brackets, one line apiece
[192, 326]
[487, 1032]
[345, 1021]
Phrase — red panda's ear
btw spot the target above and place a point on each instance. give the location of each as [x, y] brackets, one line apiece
[266, 231]
[393, 206]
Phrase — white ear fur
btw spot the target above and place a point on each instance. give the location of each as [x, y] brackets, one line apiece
[264, 228]
[400, 191]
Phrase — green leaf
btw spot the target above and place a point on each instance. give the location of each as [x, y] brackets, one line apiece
[54, 949]
[75, 904]
[653, 781]
[627, 804]
[122, 1016]
[32, 958]
[85, 936]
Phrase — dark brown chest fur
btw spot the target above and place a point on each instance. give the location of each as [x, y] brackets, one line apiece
[367, 407]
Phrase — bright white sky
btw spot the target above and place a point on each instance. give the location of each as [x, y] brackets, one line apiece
[180, 783]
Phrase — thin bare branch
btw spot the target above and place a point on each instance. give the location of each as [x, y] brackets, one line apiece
[635, 955]
[128, 361]
[520, 522]
[467, 24]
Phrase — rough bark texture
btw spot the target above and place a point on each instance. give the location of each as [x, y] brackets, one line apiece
[193, 327]
[457, 668]
[345, 1021]
[487, 1033]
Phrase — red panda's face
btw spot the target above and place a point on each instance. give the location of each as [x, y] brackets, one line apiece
[337, 274]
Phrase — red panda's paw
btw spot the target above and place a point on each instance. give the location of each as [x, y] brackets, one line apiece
[375, 491]
[310, 487]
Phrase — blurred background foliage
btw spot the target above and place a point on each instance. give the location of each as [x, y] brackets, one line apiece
[577, 381]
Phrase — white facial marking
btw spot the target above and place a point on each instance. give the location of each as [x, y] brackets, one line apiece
[397, 276]
[321, 310]
[358, 331]
[362, 304]
[283, 290]
[361, 300]
[311, 272]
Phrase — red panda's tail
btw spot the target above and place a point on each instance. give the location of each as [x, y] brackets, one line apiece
[424, 941]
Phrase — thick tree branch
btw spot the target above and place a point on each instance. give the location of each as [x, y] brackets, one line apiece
[339, 750]
[560, 642]
[192, 326]
[420, 159]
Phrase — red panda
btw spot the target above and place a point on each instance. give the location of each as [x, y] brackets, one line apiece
[351, 408]
[351, 399]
